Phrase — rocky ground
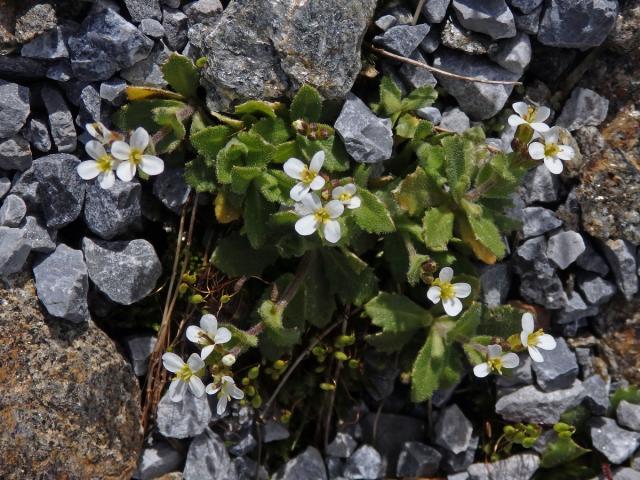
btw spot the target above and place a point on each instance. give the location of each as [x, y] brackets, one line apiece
[75, 257]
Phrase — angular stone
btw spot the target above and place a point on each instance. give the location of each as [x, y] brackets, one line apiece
[104, 44]
[403, 39]
[431, 42]
[20, 68]
[14, 250]
[203, 11]
[583, 109]
[79, 416]
[495, 282]
[529, 404]
[171, 188]
[15, 153]
[514, 54]
[435, 10]
[521, 467]
[148, 71]
[48, 46]
[125, 271]
[595, 289]
[621, 256]
[114, 211]
[14, 108]
[385, 22]
[342, 446]
[152, 28]
[478, 100]
[245, 446]
[208, 458]
[452, 463]
[140, 348]
[273, 431]
[60, 120]
[38, 135]
[113, 91]
[591, 261]
[455, 120]
[559, 368]
[581, 24]
[5, 186]
[564, 248]
[538, 220]
[141, 9]
[539, 282]
[308, 464]
[418, 460]
[529, 22]
[615, 443]
[266, 48]
[90, 106]
[367, 138]
[365, 463]
[628, 415]
[430, 113]
[626, 474]
[247, 468]
[516, 377]
[12, 211]
[25, 186]
[525, 6]
[574, 312]
[403, 15]
[184, 419]
[60, 189]
[452, 430]
[457, 37]
[585, 361]
[175, 26]
[596, 396]
[492, 17]
[416, 77]
[157, 460]
[60, 71]
[62, 283]
[540, 185]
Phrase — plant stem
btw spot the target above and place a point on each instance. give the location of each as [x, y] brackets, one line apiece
[417, 12]
[296, 283]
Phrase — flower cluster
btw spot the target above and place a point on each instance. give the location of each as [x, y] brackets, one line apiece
[110, 153]
[449, 293]
[210, 338]
[545, 144]
[314, 214]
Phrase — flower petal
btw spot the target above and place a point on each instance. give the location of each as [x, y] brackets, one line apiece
[177, 390]
[540, 127]
[193, 334]
[521, 108]
[212, 389]
[317, 183]
[107, 179]
[151, 165]
[452, 306]
[481, 370]
[307, 225]
[446, 274]
[331, 231]
[536, 150]
[195, 362]
[206, 351]
[172, 362]
[236, 392]
[294, 168]
[139, 139]
[524, 338]
[527, 323]
[299, 191]
[222, 404]
[222, 336]
[301, 210]
[334, 208]
[317, 161]
[120, 150]
[434, 294]
[515, 120]
[196, 386]
[462, 290]
[355, 202]
[554, 165]
[336, 192]
[546, 342]
[88, 169]
[551, 137]
[510, 360]
[209, 323]
[350, 188]
[535, 354]
[542, 113]
[494, 351]
[566, 152]
[126, 171]
[95, 149]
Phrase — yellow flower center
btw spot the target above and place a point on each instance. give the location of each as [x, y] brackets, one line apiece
[495, 364]
[104, 163]
[534, 337]
[344, 197]
[447, 292]
[551, 150]
[308, 175]
[531, 113]
[322, 215]
[136, 156]
[184, 373]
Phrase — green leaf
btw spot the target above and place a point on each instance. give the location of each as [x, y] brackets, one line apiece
[438, 228]
[563, 450]
[631, 394]
[390, 96]
[285, 151]
[431, 158]
[259, 151]
[420, 97]
[388, 341]
[372, 215]
[350, 277]
[428, 366]
[252, 107]
[168, 116]
[242, 337]
[199, 175]
[273, 130]
[306, 104]
[502, 321]
[210, 140]
[414, 271]
[466, 326]
[456, 163]
[231, 155]
[407, 125]
[256, 217]
[335, 156]
[396, 313]
[313, 303]
[235, 257]
[139, 114]
[241, 177]
[275, 186]
[486, 232]
[182, 75]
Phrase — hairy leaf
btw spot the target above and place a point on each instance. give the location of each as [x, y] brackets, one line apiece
[372, 215]
[438, 228]
[210, 140]
[486, 232]
[396, 313]
[306, 104]
[256, 217]
[253, 107]
[420, 97]
[182, 75]
[235, 257]
[425, 376]
[273, 130]
[199, 175]
[390, 96]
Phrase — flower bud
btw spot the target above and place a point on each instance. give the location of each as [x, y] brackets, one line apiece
[229, 359]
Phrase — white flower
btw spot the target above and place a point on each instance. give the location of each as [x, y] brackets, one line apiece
[226, 390]
[496, 362]
[530, 115]
[347, 196]
[186, 374]
[549, 151]
[449, 293]
[101, 166]
[101, 133]
[316, 216]
[533, 341]
[133, 156]
[229, 359]
[309, 177]
[208, 334]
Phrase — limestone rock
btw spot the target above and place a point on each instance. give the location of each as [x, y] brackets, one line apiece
[14, 107]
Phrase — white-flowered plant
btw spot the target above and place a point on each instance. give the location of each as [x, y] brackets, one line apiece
[228, 360]
[101, 165]
[449, 293]
[534, 340]
[101, 133]
[308, 177]
[347, 196]
[551, 151]
[318, 217]
[531, 116]
[186, 374]
[132, 156]
[208, 334]
[496, 361]
[225, 389]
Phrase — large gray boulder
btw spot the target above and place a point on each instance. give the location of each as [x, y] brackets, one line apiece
[268, 48]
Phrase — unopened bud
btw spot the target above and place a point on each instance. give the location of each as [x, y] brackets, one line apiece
[229, 359]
